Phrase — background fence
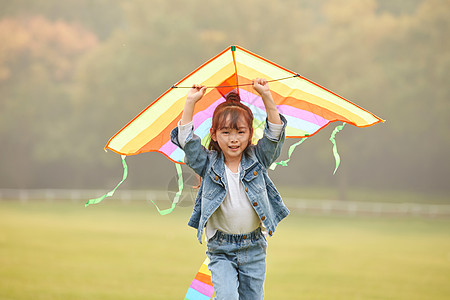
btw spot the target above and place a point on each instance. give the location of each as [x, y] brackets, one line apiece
[308, 206]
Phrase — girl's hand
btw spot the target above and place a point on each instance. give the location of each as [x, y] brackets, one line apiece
[196, 93]
[261, 86]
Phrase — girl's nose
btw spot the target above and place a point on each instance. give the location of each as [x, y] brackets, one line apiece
[233, 137]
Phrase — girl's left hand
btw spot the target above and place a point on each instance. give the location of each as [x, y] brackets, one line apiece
[261, 86]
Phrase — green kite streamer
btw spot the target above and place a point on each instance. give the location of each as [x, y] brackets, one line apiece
[110, 193]
[284, 162]
[177, 195]
[337, 158]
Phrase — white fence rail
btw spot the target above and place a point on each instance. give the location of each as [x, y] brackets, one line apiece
[25, 195]
[369, 208]
[322, 207]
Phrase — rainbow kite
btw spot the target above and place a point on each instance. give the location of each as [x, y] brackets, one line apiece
[201, 287]
[307, 106]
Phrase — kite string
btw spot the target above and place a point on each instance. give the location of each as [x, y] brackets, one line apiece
[235, 85]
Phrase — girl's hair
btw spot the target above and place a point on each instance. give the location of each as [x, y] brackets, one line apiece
[227, 114]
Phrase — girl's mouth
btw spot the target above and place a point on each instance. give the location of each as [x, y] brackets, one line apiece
[233, 148]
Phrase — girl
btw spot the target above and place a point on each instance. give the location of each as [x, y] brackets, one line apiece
[237, 203]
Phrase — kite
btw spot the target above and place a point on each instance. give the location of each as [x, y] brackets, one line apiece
[201, 287]
[307, 106]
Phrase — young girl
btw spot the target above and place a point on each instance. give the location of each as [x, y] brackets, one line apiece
[237, 203]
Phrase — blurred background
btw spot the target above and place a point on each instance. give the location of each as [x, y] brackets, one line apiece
[73, 72]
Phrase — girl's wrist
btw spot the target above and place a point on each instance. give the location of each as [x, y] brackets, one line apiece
[190, 101]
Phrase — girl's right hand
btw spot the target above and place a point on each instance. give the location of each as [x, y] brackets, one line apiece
[196, 93]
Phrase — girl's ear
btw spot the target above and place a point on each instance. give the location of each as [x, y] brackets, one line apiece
[212, 133]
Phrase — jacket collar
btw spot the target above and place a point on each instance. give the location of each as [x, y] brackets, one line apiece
[248, 159]
[218, 164]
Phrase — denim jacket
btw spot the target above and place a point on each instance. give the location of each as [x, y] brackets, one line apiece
[261, 191]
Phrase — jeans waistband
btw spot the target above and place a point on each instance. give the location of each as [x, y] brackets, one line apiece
[237, 238]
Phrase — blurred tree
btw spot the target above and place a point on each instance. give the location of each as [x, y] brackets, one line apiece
[99, 16]
[351, 48]
[391, 58]
[389, 65]
[37, 63]
[416, 60]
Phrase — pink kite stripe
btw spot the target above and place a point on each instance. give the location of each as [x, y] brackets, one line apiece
[302, 114]
[201, 287]
[201, 116]
[285, 109]
[168, 147]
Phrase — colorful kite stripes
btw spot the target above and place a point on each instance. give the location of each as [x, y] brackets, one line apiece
[307, 106]
[201, 287]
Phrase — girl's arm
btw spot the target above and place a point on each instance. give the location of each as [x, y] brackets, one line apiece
[196, 155]
[262, 87]
[194, 95]
[269, 147]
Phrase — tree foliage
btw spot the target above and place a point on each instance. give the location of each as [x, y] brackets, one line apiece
[37, 64]
[90, 78]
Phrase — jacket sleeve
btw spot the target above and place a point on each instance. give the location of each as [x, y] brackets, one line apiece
[268, 149]
[196, 156]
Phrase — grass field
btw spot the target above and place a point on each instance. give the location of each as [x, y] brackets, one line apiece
[61, 250]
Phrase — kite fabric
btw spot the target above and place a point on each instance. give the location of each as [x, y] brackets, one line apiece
[201, 287]
[307, 106]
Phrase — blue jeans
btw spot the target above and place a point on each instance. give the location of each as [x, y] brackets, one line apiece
[238, 265]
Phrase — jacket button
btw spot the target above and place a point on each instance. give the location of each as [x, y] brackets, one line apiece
[255, 204]
[255, 173]
[244, 237]
[270, 232]
[216, 178]
[263, 218]
[246, 189]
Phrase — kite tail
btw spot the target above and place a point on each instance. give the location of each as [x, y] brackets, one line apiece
[177, 195]
[337, 158]
[110, 193]
[201, 287]
[284, 162]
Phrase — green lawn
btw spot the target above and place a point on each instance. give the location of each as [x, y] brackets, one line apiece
[62, 250]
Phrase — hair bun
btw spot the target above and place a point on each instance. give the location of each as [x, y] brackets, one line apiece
[233, 97]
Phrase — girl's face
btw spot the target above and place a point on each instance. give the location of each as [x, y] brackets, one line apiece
[232, 141]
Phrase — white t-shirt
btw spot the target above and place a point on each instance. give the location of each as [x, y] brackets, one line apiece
[235, 214]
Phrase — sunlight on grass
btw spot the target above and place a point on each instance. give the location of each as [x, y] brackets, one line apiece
[62, 250]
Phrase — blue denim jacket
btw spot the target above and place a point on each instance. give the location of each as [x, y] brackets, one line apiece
[260, 189]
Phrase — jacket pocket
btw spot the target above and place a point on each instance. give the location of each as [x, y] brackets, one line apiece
[213, 185]
[254, 178]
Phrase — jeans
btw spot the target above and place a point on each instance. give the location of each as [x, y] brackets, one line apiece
[238, 265]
